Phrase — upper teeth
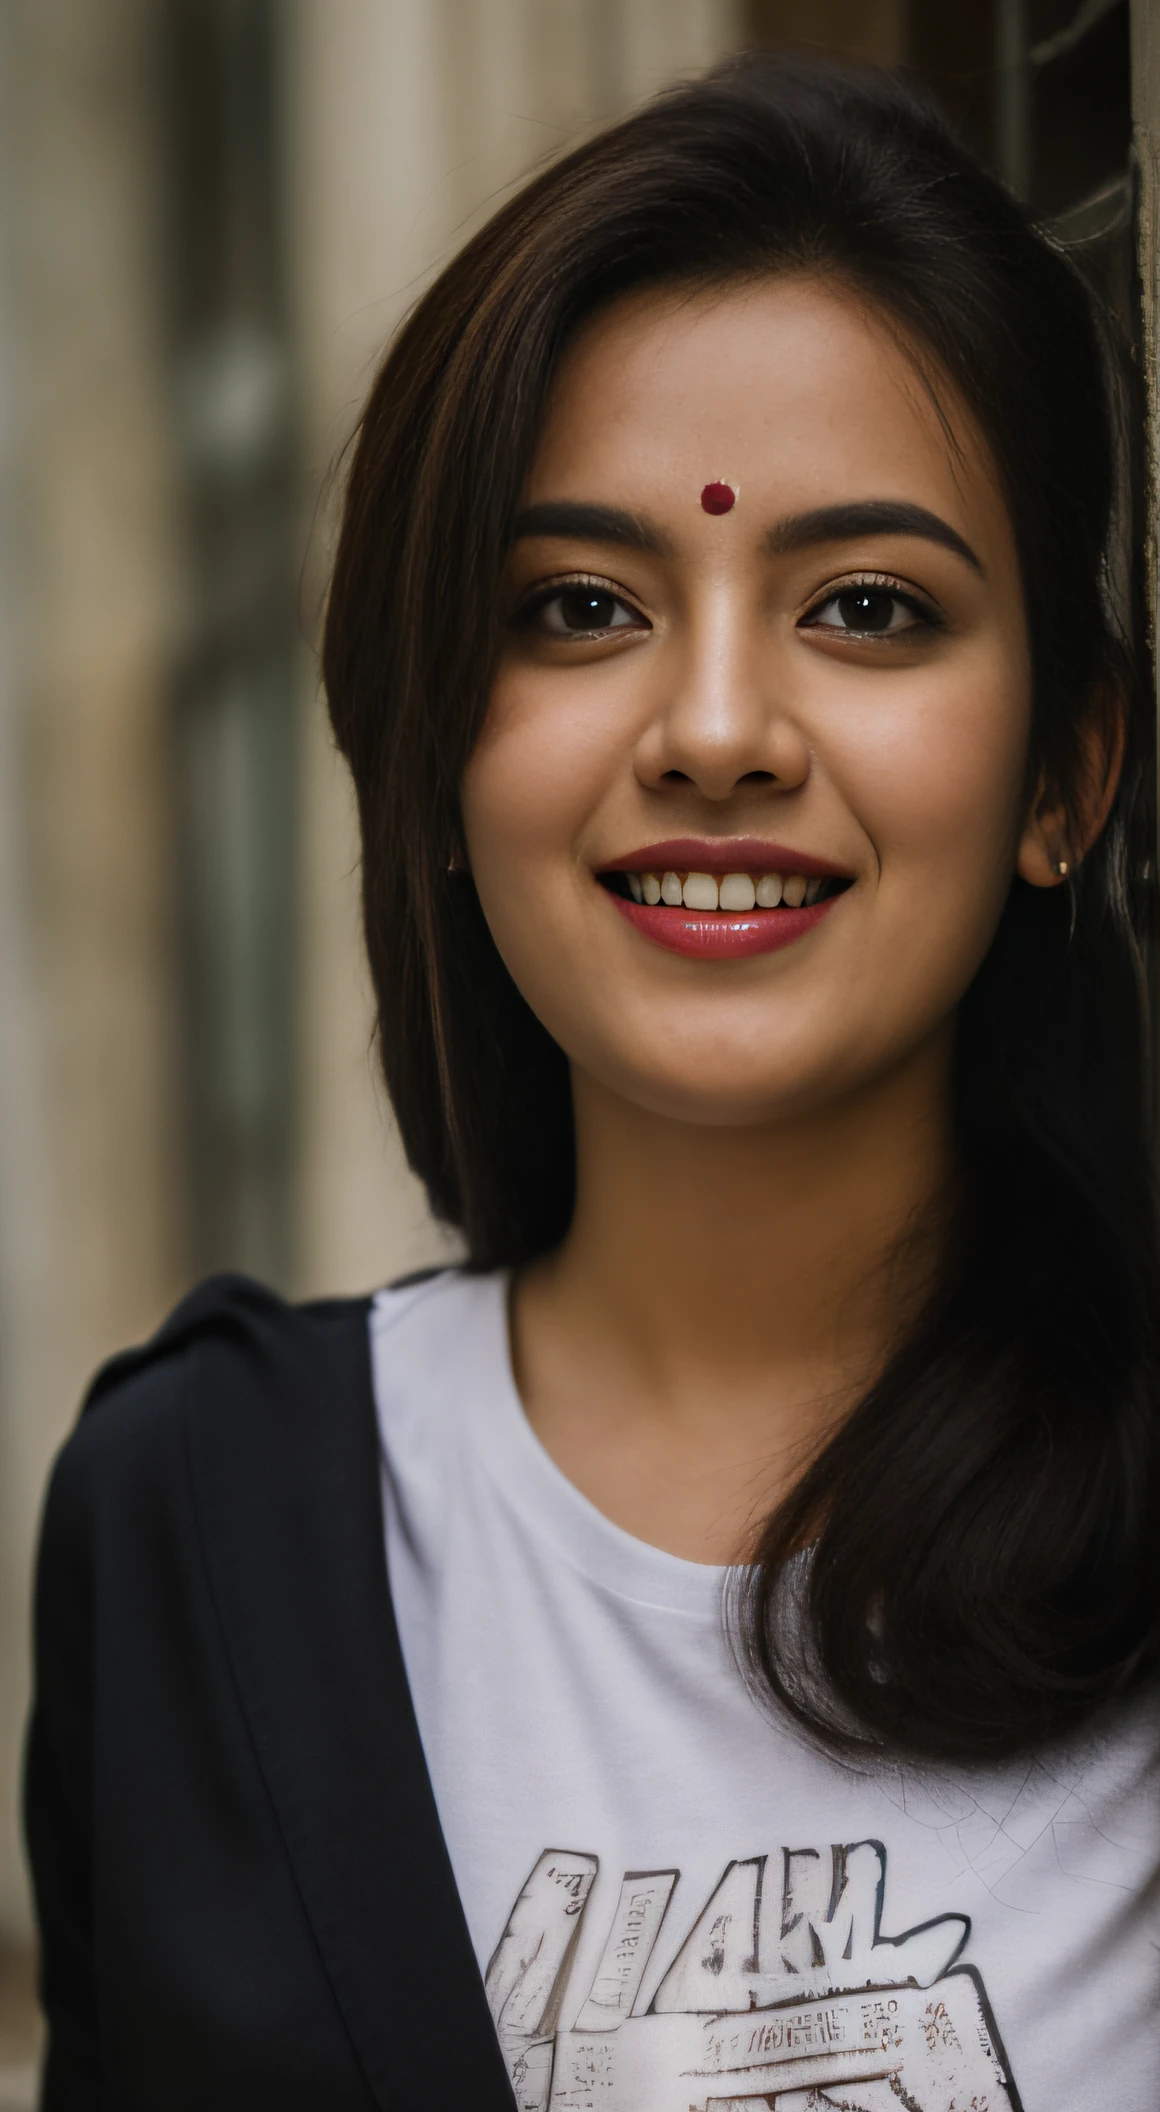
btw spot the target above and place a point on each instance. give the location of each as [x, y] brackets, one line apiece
[730, 891]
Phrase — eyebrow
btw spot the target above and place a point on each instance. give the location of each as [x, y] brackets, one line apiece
[592, 524]
[845, 523]
[583, 521]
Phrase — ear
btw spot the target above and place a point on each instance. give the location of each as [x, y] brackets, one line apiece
[1057, 836]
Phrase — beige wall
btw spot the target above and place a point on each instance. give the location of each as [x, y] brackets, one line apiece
[410, 118]
[88, 1254]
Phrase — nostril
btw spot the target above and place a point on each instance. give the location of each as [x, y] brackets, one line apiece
[758, 777]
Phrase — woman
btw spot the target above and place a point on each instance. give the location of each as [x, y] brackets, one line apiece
[733, 641]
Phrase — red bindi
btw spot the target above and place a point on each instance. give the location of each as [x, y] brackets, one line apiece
[718, 498]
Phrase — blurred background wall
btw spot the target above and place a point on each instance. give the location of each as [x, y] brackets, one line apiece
[212, 215]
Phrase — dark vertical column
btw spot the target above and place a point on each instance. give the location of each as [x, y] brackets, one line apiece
[1012, 95]
[1145, 57]
[234, 709]
[1080, 141]
[846, 29]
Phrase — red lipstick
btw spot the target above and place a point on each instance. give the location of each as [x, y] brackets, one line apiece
[717, 935]
[724, 854]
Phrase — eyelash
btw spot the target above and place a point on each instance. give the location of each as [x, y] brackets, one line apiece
[878, 582]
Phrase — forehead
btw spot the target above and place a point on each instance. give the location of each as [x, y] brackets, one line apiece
[791, 389]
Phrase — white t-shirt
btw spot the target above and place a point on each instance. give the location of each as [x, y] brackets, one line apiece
[678, 1903]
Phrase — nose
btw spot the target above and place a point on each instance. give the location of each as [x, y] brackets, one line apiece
[725, 720]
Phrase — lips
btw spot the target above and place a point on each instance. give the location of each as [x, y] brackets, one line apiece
[723, 898]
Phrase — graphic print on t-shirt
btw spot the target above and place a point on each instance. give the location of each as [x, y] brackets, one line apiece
[784, 1993]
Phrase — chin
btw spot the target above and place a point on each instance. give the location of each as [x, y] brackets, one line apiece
[749, 1103]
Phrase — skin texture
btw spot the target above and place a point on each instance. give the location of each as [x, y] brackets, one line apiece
[754, 1137]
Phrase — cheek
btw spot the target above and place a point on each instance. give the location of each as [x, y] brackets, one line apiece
[539, 768]
[937, 784]
[937, 779]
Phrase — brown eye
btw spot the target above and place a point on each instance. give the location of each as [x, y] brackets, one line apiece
[585, 609]
[864, 611]
[581, 611]
[861, 609]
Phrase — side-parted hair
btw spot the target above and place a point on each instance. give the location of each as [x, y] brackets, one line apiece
[984, 1527]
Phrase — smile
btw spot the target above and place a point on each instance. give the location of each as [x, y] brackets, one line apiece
[725, 914]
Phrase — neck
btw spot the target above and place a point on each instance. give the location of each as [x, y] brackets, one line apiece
[727, 1293]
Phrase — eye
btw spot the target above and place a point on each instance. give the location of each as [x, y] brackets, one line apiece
[580, 610]
[865, 610]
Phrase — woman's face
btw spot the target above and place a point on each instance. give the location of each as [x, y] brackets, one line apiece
[824, 687]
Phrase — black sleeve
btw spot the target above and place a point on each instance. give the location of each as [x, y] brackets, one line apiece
[239, 1874]
[59, 1795]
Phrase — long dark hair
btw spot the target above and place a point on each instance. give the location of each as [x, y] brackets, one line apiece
[984, 1530]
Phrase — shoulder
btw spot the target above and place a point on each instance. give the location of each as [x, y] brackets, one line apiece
[437, 1305]
[436, 1339]
[232, 1350]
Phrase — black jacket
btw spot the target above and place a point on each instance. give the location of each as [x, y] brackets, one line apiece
[244, 1893]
